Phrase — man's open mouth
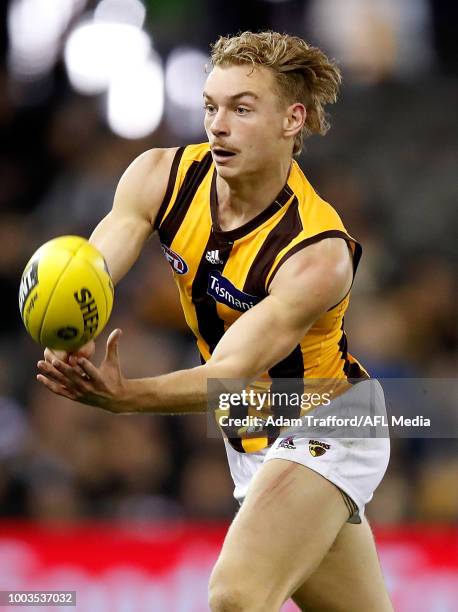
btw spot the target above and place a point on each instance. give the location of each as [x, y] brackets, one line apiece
[223, 153]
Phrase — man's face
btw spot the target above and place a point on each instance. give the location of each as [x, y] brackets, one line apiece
[243, 119]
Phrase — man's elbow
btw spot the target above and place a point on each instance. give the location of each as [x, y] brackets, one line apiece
[231, 368]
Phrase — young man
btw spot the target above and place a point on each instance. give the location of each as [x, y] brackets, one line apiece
[264, 268]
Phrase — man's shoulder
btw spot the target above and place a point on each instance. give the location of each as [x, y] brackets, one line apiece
[143, 184]
[177, 159]
[153, 159]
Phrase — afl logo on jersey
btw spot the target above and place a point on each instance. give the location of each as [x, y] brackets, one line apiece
[178, 263]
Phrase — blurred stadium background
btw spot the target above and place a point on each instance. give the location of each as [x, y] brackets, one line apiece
[130, 511]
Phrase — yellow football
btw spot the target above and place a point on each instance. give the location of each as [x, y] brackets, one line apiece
[66, 293]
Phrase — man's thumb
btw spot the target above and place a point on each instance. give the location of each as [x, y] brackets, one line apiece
[112, 345]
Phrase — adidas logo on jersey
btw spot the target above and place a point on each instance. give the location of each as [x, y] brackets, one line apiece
[213, 257]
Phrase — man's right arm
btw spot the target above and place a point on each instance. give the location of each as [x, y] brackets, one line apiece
[121, 235]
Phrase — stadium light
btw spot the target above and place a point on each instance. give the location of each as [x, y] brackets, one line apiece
[132, 12]
[96, 51]
[135, 101]
[35, 28]
[185, 76]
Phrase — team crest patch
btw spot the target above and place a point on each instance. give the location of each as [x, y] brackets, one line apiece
[178, 263]
[224, 292]
[287, 443]
[317, 448]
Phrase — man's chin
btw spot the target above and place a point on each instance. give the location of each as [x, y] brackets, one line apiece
[226, 171]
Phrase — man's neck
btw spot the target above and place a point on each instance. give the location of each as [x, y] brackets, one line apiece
[241, 200]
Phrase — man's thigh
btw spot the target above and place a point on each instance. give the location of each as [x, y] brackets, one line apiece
[348, 578]
[288, 521]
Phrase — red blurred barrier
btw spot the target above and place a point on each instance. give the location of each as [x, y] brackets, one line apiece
[165, 567]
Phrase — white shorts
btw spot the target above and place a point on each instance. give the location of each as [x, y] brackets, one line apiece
[355, 465]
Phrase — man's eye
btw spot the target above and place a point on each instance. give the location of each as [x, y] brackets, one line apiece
[241, 110]
[209, 108]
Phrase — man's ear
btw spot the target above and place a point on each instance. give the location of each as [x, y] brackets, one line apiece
[294, 119]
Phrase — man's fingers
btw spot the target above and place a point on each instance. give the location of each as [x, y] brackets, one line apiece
[56, 387]
[89, 370]
[86, 351]
[50, 355]
[51, 372]
[111, 353]
[71, 376]
[73, 361]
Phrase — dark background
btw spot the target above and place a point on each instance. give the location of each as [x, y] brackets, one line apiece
[389, 167]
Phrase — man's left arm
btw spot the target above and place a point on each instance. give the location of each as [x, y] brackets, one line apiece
[308, 284]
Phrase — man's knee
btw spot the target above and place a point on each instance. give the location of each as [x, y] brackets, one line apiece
[226, 599]
[234, 598]
[229, 592]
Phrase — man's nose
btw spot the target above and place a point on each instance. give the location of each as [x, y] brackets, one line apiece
[220, 124]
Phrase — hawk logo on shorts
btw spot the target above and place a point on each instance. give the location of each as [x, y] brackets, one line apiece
[317, 448]
[287, 443]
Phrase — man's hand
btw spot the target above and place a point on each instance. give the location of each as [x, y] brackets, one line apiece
[75, 377]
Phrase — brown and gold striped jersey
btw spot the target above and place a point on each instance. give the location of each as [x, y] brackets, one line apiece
[222, 274]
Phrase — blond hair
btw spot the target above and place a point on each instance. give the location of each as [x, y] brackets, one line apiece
[303, 73]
